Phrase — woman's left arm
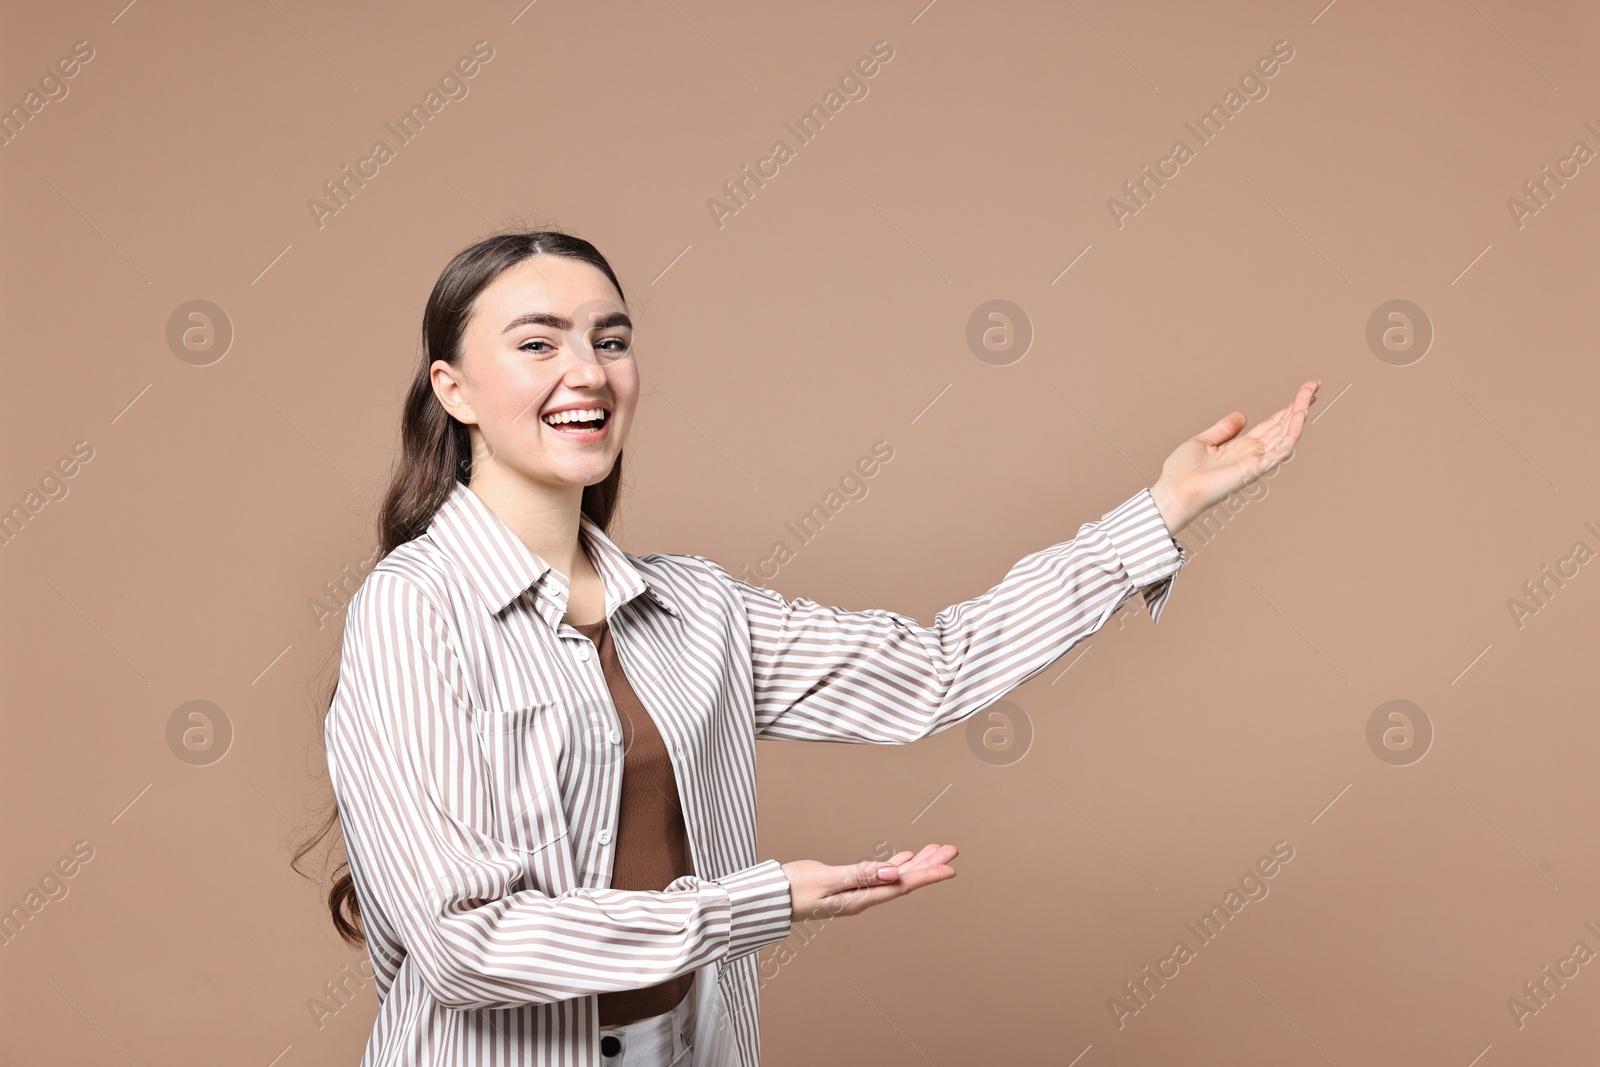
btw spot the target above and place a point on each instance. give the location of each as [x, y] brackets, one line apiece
[824, 673]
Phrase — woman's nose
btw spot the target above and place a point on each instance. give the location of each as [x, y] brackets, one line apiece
[584, 363]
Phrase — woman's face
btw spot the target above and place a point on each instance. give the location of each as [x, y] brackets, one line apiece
[548, 335]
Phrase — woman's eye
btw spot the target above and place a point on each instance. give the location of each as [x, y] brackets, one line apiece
[615, 347]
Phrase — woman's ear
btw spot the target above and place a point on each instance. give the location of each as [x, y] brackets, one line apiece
[447, 387]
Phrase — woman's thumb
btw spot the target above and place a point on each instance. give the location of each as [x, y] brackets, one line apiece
[873, 872]
[1224, 429]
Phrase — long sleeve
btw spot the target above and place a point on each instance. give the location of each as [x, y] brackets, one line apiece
[414, 798]
[827, 674]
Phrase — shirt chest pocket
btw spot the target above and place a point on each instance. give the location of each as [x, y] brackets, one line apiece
[521, 748]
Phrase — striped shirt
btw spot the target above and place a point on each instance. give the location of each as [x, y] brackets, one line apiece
[476, 760]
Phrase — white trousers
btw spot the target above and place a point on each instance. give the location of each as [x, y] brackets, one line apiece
[694, 1034]
[660, 1041]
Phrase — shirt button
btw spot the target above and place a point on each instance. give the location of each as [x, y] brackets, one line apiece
[583, 650]
[604, 837]
[616, 736]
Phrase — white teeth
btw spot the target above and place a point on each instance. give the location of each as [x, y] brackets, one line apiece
[579, 415]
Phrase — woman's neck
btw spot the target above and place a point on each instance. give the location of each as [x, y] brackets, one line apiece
[543, 518]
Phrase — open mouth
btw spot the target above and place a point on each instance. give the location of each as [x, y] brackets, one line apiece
[578, 422]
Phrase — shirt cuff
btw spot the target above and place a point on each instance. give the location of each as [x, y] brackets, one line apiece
[761, 907]
[1148, 551]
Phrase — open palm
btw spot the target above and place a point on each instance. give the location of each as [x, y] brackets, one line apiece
[1204, 470]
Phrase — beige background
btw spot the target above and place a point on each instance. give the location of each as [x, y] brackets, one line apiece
[829, 313]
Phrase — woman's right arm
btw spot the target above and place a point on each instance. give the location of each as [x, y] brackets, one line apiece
[413, 799]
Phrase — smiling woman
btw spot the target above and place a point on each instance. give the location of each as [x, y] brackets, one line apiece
[593, 868]
[542, 747]
[544, 387]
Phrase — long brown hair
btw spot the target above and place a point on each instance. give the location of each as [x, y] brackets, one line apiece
[436, 452]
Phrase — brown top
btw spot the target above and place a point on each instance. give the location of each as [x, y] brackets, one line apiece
[652, 844]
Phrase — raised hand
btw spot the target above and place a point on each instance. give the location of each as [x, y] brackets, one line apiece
[819, 890]
[1203, 471]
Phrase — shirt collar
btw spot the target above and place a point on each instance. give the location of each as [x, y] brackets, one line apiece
[501, 568]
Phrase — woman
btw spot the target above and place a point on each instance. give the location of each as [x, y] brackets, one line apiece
[542, 748]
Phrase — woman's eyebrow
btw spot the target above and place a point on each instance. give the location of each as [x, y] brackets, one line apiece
[561, 322]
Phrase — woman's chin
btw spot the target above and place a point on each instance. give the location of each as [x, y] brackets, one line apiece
[579, 472]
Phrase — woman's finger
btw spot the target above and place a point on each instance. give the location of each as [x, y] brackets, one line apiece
[910, 882]
[922, 876]
[941, 854]
[1268, 427]
[870, 875]
[914, 874]
[863, 874]
[1302, 401]
[1283, 442]
[1224, 429]
[1284, 417]
[855, 901]
[930, 854]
